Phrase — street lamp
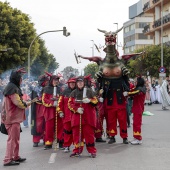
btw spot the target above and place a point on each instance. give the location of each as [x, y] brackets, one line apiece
[65, 33]
[117, 36]
[92, 47]
[162, 34]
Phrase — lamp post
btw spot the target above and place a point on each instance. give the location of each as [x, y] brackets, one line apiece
[117, 37]
[92, 47]
[162, 74]
[65, 33]
[162, 34]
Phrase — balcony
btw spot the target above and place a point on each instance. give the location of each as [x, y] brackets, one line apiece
[166, 19]
[156, 25]
[152, 4]
[155, 1]
[146, 6]
[146, 29]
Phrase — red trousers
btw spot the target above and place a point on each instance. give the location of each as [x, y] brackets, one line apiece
[87, 133]
[137, 123]
[99, 125]
[50, 130]
[100, 118]
[12, 148]
[68, 135]
[115, 114]
[40, 129]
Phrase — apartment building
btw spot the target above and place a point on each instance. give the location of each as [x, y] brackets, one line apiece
[133, 35]
[159, 29]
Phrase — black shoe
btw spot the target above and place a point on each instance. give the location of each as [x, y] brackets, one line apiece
[93, 155]
[75, 155]
[35, 144]
[20, 160]
[47, 147]
[112, 140]
[61, 146]
[125, 141]
[12, 163]
[100, 140]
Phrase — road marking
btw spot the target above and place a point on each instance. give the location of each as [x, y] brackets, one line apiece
[52, 158]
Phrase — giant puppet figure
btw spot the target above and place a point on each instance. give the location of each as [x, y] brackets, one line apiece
[113, 79]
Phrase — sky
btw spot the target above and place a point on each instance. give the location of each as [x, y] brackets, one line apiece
[82, 18]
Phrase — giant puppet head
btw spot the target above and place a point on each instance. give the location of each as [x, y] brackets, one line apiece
[111, 66]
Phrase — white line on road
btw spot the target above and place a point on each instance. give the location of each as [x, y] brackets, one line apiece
[52, 158]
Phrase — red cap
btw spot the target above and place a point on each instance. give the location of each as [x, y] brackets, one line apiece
[72, 80]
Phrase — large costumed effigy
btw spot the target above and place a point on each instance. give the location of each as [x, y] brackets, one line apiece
[113, 80]
[112, 66]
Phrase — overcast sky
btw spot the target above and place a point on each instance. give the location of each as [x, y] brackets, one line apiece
[81, 18]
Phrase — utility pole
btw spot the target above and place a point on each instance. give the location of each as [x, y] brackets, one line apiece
[117, 37]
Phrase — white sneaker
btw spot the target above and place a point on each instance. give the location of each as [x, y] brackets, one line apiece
[136, 142]
[66, 149]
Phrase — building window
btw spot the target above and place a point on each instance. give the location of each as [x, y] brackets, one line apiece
[132, 48]
[142, 37]
[142, 24]
[126, 29]
[132, 27]
[126, 50]
[165, 38]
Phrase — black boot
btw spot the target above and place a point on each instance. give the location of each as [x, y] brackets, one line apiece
[100, 140]
[112, 140]
[61, 145]
[125, 141]
[47, 147]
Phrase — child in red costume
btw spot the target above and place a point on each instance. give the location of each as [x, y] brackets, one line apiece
[82, 104]
[138, 94]
[65, 113]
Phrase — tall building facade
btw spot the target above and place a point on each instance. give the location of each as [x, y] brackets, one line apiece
[133, 35]
[159, 29]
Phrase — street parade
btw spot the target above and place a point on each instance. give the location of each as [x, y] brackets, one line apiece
[76, 113]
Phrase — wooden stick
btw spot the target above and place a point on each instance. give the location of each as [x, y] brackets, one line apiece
[55, 144]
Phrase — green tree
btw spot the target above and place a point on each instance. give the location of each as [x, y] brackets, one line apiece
[16, 32]
[43, 62]
[91, 69]
[150, 61]
[70, 72]
[53, 65]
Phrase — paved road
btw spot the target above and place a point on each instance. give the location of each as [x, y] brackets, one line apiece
[153, 154]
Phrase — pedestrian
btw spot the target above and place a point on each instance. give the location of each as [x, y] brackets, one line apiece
[65, 113]
[138, 95]
[165, 94]
[50, 98]
[25, 98]
[82, 103]
[13, 114]
[148, 96]
[37, 111]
